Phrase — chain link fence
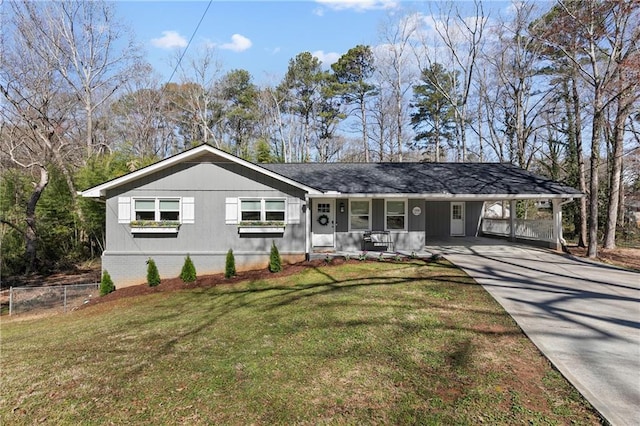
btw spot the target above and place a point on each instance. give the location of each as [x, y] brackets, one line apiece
[56, 299]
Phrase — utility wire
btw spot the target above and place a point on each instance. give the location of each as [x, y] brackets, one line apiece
[189, 43]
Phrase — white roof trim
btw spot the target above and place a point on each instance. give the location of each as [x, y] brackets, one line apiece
[101, 190]
[448, 197]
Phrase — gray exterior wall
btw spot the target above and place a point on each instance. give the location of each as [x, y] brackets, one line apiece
[438, 220]
[438, 224]
[472, 215]
[209, 238]
[405, 241]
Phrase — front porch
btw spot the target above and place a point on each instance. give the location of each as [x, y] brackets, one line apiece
[391, 227]
[439, 247]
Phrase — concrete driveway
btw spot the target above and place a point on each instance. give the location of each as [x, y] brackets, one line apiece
[584, 316]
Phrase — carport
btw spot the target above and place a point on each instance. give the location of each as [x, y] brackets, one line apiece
[583, 315]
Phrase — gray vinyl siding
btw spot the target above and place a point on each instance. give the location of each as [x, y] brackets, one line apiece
[404, 241]
[438, 223]
[438, 218]
[342, 219]
[417, 223]
[208, 239]
[472, 213]
[377, 214]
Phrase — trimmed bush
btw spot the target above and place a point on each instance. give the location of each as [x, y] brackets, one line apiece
[230, 265]
[106, 284]
[153, 276]
[188, 273]
[275, 261]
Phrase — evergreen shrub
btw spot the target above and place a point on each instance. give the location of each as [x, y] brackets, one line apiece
[275, 261]
[230, 265]
[106, 284]
[153, 276]
[188, 273]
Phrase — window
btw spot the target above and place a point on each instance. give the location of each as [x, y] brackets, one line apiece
[396, 215]
[456, 212]
[262, 210]
[157, 209]
[324, 208]
[274, 210]
[251, 210]
[359, 215]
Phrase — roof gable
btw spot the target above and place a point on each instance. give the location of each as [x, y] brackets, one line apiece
[199, 153]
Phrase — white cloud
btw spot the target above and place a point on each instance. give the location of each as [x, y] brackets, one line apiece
[169, 40]
[327, 58]
[358, 5]
[239, 43]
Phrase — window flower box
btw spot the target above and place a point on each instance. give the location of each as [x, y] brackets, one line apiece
[272, 227]
[154, 227]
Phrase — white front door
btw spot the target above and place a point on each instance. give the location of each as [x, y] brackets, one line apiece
[323, 223]
[457, 219]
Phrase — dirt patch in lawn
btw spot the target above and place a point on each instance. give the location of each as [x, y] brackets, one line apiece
[625, 257]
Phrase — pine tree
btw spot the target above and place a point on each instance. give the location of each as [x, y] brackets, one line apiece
[153, 276]
[188, 273]
[230, 266]
[275, 262]
[106, 284]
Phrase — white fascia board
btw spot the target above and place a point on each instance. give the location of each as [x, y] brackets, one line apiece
[457, 197]
[100, 190]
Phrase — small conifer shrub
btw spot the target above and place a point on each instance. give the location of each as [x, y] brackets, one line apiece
[230, 265]
[275, 261]
[106, 284]
[153, 276]
[188, 273]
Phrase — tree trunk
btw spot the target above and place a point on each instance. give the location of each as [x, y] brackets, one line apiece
[582, 235]
[31, 233]
[598, 116]
[89, 136]
[616, 172]
[365, 136]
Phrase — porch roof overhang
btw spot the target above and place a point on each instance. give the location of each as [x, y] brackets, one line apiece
[449, 197]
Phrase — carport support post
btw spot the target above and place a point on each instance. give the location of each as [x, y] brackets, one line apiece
[556, 238]
[512, 220]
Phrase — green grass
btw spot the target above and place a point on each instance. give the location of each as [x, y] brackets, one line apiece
[360, 343]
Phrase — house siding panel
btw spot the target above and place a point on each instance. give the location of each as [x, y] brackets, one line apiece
[209, 238]
[473, 211]
[417, 223]
[377, 212]
[342, 219]
[438, 223]
[403, 241]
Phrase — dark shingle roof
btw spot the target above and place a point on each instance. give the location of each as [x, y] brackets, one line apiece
[420, 178]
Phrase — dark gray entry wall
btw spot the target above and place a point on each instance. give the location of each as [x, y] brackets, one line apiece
[438, 218]
[438, 224]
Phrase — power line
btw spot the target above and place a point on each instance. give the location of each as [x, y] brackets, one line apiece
[189, 43]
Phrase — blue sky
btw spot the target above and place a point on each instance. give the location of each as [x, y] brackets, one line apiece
[259, 36]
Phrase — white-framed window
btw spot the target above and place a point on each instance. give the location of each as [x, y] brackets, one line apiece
[263, 209]
[157, 209]
[395, 212]
[359, 215]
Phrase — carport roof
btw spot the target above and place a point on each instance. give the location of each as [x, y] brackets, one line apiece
[489, 180]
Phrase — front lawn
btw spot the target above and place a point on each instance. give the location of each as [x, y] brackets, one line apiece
[359, 343]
